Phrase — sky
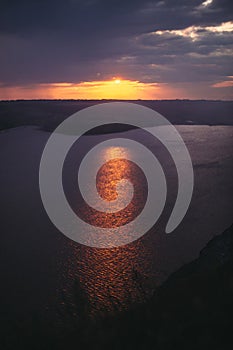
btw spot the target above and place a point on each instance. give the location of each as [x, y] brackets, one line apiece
[131, 49]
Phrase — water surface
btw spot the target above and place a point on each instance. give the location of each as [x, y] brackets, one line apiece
[43, 272]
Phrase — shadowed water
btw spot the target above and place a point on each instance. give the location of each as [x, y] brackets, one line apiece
[43, 272]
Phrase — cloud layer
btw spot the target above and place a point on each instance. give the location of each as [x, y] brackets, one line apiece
[187, 45]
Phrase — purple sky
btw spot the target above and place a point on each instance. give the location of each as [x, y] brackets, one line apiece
[184, 46]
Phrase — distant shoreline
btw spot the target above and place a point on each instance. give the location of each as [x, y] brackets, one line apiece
[48, 114]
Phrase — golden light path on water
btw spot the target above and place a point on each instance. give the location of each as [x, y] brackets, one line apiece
[105, 280]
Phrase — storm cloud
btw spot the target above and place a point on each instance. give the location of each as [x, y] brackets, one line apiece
[167, 42]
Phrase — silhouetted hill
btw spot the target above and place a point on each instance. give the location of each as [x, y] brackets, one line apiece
[193, 309]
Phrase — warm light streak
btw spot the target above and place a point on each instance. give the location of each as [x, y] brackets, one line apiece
[115, 88]
[224, 84]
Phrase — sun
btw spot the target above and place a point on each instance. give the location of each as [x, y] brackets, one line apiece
[116, 87]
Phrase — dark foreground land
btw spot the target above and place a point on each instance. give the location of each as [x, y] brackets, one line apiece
[193, 309]
[48, 114]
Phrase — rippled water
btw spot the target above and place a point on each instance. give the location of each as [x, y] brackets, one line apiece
[42, 269]
[111, 279]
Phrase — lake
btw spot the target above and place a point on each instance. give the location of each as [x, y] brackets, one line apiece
[44, 274]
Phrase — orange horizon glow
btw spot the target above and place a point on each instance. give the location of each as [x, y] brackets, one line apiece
[116, 88]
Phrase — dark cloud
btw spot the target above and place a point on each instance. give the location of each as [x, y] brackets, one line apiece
[54, 41]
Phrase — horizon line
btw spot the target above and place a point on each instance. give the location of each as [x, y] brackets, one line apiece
[113, 99]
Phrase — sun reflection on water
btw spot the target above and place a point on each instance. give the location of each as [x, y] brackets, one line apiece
[111, 279]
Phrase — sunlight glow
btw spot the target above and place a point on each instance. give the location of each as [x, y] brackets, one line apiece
[115, 88]
[224, 84]
[207, 3]
[195, 32]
